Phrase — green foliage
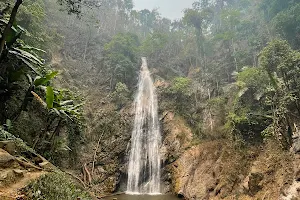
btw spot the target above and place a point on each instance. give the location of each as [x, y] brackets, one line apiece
[4, 135]
[282, 64]
[20, 144]
[20, 62]
[250, 113]
[274, 54]
[231, 17]
[121, 58]
[197, 17]
[254, 79]
[180, 86]
[45, 79]
[268, 95]
[49, 97]
[68, 105]
[272, 7]
[154, 43]
[31, 17]
[55, 186]
[121, 94]
[179, 93]
[286, 23]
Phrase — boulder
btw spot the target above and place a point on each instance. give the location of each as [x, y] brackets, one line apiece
[18, 173]
[6, 160]
[8, 146]
[47, 166]
[7, 177]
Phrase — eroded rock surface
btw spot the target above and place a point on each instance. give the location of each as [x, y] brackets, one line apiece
[217, 170]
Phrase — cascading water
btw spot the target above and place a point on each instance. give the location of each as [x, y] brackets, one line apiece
[144, 160]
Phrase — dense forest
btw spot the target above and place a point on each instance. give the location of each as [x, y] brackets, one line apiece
[227, 76]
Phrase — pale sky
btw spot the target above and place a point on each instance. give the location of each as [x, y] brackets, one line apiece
[172, 9]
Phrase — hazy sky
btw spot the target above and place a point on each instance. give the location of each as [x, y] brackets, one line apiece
[168, 8]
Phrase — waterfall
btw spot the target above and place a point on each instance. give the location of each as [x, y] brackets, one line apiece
[144, 160]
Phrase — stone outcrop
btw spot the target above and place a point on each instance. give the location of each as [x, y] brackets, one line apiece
[217, 170]
[195, 172]
[6, 160]
[177, 137]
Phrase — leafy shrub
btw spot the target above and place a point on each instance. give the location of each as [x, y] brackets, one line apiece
[121, 94]
[250, 113]
[55, 186]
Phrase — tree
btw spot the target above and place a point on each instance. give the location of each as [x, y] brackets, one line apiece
[199, 17]
[286, 23]
[272, 7]
[75, 6]
[121, 59]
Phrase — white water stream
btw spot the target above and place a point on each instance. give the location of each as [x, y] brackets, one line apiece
[144, 161]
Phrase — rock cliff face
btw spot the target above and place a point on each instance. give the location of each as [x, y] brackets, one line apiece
[206, 172]
[177, 137]
[219, 170]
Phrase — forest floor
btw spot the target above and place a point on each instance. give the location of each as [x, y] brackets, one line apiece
[17, 171]
[13, 190]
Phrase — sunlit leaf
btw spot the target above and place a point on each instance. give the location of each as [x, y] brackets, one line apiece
[44, 80]
[49, 97]
[33, 48]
